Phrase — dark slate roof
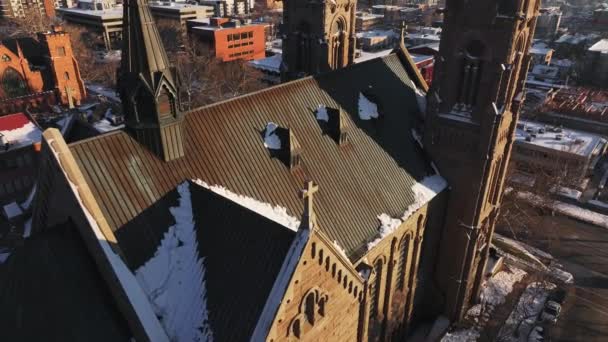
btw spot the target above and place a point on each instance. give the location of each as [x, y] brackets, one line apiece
[371, 175]
[242, 252]
[50, 291]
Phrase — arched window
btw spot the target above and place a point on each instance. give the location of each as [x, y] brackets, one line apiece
[337, 44]
[375, 290]
[403, 259]
[165, 104]
[470, 75]
[66, 76]
[13, 84]
[309, 308]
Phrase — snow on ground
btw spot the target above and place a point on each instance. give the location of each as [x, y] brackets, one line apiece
[566, 209]
[461, 335]
[104, 91]
[277, 213]
[493, 293]
[367, 109]
[424, 191]
[322, 113]
[528, 308]
[104, 126]
[174, 278]
[271, 139]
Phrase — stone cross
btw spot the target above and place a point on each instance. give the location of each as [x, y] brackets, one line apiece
[307, 194]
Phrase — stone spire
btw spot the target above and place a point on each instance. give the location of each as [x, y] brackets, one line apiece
[148, 85]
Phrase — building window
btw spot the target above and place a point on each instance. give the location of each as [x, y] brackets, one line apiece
[6, 58]
[375, 291]
[250, 34]
[244, 35]
[60, 51]
[165, 104]
[66, 76]
[404, 250]
[229, 37]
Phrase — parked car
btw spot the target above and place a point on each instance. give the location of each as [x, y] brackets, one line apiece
[550, 312]
[537, 334]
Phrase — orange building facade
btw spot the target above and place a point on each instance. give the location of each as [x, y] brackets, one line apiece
[39, 68]
[230, 41]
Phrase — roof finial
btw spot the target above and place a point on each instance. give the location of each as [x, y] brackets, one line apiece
[307, 194]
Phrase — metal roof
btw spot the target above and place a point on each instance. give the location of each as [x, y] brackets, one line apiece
[371, 175]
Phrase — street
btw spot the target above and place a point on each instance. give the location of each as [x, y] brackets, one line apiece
[583, 250]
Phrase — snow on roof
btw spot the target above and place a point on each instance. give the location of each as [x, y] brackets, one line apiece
[17, 131]
[277, 213]
[174, 278]
[271, 139]
[601, 46]
[272, 63]
[376, 34]
[367, 109]
[571, 141]
[424, 191]
[366, 56]
[12, 210]
[321, 113]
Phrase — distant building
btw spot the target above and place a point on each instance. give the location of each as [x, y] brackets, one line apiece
[540, 53]
[108, 22]
[229, 40]
[548, 22]
[39, 72]
[597, 64]
[22, 8]
[572, 45]
[600, 18]
[98, 5]
[376, 39]
[224, 8]
[424, 36]
[365, 21]
[554, 151]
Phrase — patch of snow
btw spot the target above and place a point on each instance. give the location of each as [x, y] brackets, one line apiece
[270, 64]
[174, 278]
[271, 139]
[421, 99]
[104, 125]
[566, 209]
[131, 287]
[464, 335]
[277, 293]
[418, 138]
[25, 135]
[528, 308]
[496, 289]
[424, 192]
[277, 213]
[322, 113]
[562, 275]
[367, 109]
[30, 198]
[340, 249]
[598, 203]
[27, 228]
[12, 210]
[104, 91]
[4, 254]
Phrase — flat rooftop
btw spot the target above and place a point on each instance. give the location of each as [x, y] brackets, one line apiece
[570, 141]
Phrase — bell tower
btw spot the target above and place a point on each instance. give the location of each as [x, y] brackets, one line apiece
[148, 85]
[473, 107]
[320, 36]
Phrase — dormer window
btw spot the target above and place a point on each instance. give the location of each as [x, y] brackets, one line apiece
[333, 122]
[165, 104]
[368, 109]
[282, 144]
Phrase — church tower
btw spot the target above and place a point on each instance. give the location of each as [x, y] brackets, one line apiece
[473, 107]
[148, 86]
[319, 36]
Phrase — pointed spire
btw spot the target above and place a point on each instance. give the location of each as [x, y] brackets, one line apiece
[307, 194]
[402, 37]
[143, 51]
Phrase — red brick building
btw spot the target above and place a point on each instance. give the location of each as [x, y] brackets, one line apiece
[42, 71]
[229, 40]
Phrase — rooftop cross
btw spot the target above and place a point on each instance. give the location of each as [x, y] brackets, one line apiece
[307, 194]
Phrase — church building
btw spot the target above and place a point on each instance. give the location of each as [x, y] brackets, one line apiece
[348, 205]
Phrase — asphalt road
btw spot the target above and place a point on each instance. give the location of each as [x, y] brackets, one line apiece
[583, 250]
